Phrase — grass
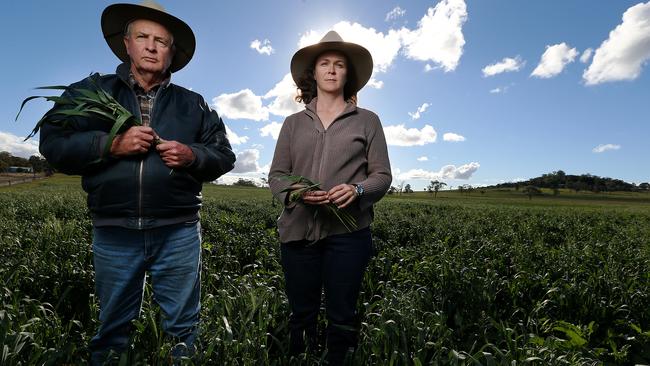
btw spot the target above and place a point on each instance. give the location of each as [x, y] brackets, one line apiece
[637, 201]
[486, 279]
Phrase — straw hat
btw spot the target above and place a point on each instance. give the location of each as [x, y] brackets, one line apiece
[359, 57]
[116, 17]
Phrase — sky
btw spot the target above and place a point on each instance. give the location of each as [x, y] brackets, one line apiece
[473, 92]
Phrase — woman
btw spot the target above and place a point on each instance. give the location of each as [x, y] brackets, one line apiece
[342, 147]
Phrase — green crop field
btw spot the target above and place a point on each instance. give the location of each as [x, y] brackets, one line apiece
[491, 278]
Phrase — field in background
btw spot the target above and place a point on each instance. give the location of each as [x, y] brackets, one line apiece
[637, 201]
[484, 279]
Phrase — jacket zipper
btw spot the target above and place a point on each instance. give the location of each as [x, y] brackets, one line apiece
[141, 168]
[141, 173]
[322, 156]
[141, 164]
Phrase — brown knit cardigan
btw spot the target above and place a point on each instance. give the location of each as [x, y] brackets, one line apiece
[352, 150]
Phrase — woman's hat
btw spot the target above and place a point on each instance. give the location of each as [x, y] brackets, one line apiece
[358, 57]
[116, 17]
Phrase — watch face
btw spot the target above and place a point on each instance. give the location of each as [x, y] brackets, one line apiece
[359, 190]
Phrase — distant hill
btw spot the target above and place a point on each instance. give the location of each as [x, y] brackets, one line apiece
[584, 182]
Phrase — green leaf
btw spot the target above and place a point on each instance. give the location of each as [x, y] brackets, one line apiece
[88, 94]
[25, 102]
[55, 87]
[111, 136]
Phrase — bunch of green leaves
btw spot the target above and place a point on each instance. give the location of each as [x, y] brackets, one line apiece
[300, 185]
[92, 102]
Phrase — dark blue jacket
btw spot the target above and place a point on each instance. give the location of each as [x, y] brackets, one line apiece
[141, 191]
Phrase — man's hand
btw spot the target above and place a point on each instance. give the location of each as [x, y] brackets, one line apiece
[342, 195]
[174, 154]
[136, 140]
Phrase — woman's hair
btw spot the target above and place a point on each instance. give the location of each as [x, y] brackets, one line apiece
[307, 84]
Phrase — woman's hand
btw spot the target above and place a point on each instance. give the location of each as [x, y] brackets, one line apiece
[315, 197]
[342, 195]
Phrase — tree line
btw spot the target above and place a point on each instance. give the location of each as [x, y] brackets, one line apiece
[37, 163]
[585, 182]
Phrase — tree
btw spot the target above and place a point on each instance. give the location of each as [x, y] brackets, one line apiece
[467, 188]
[435, 186]
[392, 190]
[400, 188]
[644, 186]
[531, 191]
[38, 163]
[241, 182]
[10, 160]
[407, 189]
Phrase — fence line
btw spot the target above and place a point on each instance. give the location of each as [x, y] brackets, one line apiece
[11, 182]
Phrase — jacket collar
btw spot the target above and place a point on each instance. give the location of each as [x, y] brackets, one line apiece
[310, 109]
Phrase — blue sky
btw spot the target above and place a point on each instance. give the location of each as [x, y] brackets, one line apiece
[475, 92]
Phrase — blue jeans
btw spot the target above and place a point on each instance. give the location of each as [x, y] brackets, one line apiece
[172, 257]
[335, 264]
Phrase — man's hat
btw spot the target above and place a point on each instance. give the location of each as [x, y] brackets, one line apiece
[116, 17]
[358, 56]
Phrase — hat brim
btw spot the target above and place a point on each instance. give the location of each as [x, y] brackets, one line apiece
[358, 56]
[115, 18]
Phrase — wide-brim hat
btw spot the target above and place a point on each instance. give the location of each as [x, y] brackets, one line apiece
[116, 17]
[358, 57]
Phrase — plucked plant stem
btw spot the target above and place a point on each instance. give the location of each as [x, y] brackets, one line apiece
[86, 103]
[300, 185]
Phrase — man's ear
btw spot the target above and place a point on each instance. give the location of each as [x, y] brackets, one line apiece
[125, 40]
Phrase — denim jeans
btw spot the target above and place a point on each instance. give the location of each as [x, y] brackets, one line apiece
[335, 264]
[172, 257]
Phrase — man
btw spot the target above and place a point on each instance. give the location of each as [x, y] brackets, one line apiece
[144, 196]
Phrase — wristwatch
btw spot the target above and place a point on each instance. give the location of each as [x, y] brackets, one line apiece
[358, 189]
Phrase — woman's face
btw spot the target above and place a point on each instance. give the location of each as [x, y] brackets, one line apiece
[330, 72]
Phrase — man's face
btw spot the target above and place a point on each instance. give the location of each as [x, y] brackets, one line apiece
[149, 46]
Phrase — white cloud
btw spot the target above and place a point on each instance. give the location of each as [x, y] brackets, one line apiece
[244, 104]
[401, 136]
[16, 146]
[241, 105]
[284, 93]
[417, 114]
[247, 162]
[625, 52]
[230, 178]
[262, 47]
[508, 64]
[428, 68]
[272, 129]
[554, 59]
[586, 55]
[234, 139]
[463, 172]
[452, 137]
[498, 90]
[439, 36]
[605, 147]
[397, 12]
[374, 83]
[423, 158]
